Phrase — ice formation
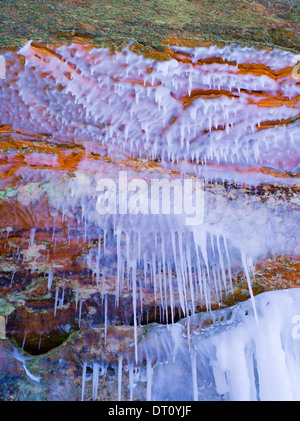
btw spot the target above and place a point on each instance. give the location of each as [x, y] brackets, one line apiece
[230, 358]
[227, 114]
[225, 106]
[233, 358]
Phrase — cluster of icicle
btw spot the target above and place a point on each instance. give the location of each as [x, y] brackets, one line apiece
[196, 108]
[200, 105]
[231, 359]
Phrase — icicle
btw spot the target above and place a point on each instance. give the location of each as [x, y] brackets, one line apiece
[194, 374]
[98, 260]
[56, 300]
[104, 242]
[160, 288]
[189, 263]
[127, 237]
[120, 362]
[96, 367]
[83, 380]
[131, 385]
[221, 262]
[12, 278]
[170, 281]
[245, 265]
[229, 264]
[32, 234]
[164, 273]
[119, 266]
[154, 276]
[199, 273]
[183, 270]
[178, 273]
[76, 297]
[24, 340]
[50, 279]
[103, 285]
[149, 379]
[134, 310]
[188, 328]
[216, 285]
[80, 311]
[105, 319]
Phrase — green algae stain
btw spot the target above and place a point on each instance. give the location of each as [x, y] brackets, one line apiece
[7, 193]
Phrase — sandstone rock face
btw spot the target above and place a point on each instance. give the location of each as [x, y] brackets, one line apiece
[91, 258]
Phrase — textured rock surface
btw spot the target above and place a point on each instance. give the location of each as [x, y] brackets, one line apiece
[152, 23]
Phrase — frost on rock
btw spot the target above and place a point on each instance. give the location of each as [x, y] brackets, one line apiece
[74, 115]
[232, 106]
